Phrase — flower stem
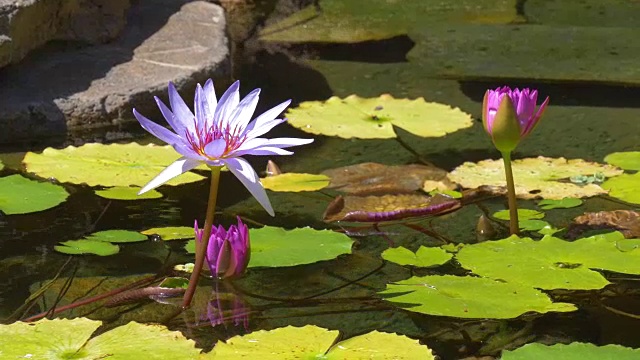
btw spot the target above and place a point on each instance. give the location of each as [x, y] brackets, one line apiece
[511, 194]
[201, 247]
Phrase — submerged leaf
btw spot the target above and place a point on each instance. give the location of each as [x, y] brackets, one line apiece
[551, 263]
[127, 193]
[117, 236]
[273, 246]
[19, 195]
[378, 179]
[523, 214]
[564, 203]
[573, 351]
[312, 342]
[78, 247]
[424, 257]
[626, 221]
[171, 232]
[469, 297]
[535, 177]
[107, 165]
[355, 117]
[295, 182]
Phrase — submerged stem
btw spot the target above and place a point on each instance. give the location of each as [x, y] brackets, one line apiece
[201, 247]
[511, 194]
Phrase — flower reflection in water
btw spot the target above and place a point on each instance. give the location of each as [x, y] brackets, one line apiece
[226, 307]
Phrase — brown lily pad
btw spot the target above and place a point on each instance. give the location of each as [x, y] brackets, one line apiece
[375, 209]
[378, 179]
[625, 221]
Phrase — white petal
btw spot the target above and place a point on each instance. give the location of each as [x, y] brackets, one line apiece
[177, 126]
[180, 109]
[243, 113]
[266, 121]
[210, 95]
[156, 130]
[215, 149]
[288, 142]
[178, 167]
[263, 150]
[201, 109]
[228, 102]
[248, 177]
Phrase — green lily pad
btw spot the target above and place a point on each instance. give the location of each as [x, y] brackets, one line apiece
[1, 165]
[372, 118]
[424, 257]
[312, 342]
[295, 182]
[171, 232]
[523, 214]
[190, 246]
[69, 339]
[551, 263]
[78, 247]
[629, 160]
[573, 351]
[19, 195]
[532, 225]
[625, 187]
[127, 193]
[535, 177]
[273, 246]
[564, 203]
[117, 236]
[363, 20]
[107, 165]
[469, 297]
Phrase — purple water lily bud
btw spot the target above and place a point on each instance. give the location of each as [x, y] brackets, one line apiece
[509, 115]
[228, 251]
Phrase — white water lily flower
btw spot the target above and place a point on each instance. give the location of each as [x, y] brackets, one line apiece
[219, 133]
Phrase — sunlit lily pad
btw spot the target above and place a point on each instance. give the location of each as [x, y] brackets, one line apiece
[19, 195]
[1, 165]
[625, 221]
[272, 246]
[364, 20]
[551, 263]
[564, 203]
[629, 160]
[424, 257]
[469, 297]
[69, 339]
[312, 342]
[535, 177]
[127, 193]
[78, 247]
[573, 351]
[378, 179]
[387, 207]
[532, 225]
[171, 232]
[523, 214]
[295, 182]
[108, 165]
[372, 118]
[117, 236]
[190, 246]
[625, 187]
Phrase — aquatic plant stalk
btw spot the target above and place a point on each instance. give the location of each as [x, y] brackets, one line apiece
[201, 247]
[511, 194]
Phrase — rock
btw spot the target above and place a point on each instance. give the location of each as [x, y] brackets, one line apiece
[28, 24]
[59, 92]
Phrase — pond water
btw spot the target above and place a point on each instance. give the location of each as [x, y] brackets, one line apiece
[587, 119]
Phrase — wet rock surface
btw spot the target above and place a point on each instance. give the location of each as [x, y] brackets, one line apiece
[62, 90]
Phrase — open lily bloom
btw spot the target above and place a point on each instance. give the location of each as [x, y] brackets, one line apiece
[218, 133]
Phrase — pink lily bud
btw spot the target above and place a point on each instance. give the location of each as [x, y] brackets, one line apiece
[509, 115]
[228, 252]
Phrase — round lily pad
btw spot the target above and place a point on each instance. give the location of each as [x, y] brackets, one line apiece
[424, 257]
[78, 247]
[117, 236]
[629, 160]
[127, 193]
[564, 203]
[19, 195]
[573, 351]
[372, 118]
[171, 232]
[523, 214]
[551, 263]
[543, 177]
[469, 297]
[107, 165]
[532, 225]
[273, 246]
[69, 339]
[625, 187]
[312, 342]
[295, 182]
